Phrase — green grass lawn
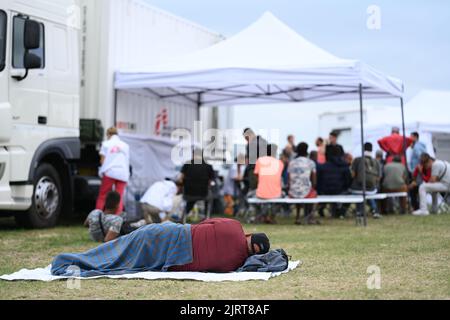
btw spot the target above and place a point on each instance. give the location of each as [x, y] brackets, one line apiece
[412, 252]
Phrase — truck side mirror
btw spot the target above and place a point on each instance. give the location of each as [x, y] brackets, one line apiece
[31, 41]
[32, 35]
[31, 61]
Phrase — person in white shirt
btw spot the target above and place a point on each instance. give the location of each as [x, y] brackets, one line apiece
[159, 200]
[115, 168]
[439, 182]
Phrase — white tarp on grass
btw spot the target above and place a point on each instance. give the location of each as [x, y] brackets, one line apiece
[44, 274]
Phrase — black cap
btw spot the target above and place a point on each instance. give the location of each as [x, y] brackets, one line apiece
[262, 241]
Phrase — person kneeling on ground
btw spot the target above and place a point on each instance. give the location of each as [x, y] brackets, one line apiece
[105, 226]
[159, 199]
[215, 245]
[439, 182]
[302, 182]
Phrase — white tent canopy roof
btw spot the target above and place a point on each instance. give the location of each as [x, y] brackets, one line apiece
[266, 63]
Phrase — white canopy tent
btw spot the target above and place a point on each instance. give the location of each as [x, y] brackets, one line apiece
[266, 63]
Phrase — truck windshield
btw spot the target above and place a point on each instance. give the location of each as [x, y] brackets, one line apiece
[2, 39]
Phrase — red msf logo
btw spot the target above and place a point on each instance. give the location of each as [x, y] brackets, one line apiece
[162, 119]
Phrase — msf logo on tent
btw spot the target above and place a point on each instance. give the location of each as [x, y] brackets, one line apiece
[162, 120]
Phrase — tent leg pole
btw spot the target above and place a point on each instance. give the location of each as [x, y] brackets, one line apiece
[402, 107]
[116, 95]
[361, 110]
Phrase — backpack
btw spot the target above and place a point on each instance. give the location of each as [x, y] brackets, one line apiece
[273, 261]
[372, 172]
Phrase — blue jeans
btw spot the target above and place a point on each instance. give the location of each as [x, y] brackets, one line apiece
[371, 202]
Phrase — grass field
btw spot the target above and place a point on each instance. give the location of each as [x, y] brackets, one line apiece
[413, 254]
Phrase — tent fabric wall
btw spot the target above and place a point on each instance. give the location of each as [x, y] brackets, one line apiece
[150, 161]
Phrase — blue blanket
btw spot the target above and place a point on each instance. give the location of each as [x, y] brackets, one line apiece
[155, 247]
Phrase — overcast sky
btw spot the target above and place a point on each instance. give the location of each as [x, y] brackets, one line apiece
[413, 43]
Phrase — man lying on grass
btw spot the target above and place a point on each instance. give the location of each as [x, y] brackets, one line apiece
[216, 245]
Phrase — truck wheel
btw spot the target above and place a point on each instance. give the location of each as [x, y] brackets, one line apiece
[46, 202]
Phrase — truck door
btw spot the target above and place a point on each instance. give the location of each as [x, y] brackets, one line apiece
[4, 106]
[28, 96]
[5, 109]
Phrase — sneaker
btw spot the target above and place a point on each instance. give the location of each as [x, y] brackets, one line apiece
[377, 216]
[421, 213]
[139, 224]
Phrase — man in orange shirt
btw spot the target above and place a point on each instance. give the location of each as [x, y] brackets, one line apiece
[395, 145]
[268, 171]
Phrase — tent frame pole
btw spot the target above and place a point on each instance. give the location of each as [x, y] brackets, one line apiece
[362, 220]
[402, 107]
[404, 130]
[116, 96]
[199, 106]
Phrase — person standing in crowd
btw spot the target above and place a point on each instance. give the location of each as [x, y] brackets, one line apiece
[268, 171]
[379, 156]
[289, 150]
[348, 158]
[372, 174]
[285, 158]
[419, 176]
[395, 145]
[418, 148]
[439, 182]
[395, 181]
[320, 143]
[334, 149]
[232, 186]
[334, 178]
[256, 148]
[115, 168]
[158, 200]
[302, 181]
[196, 177]
[314, 156]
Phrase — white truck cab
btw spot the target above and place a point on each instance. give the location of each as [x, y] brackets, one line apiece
[39, 109]
[57, 64]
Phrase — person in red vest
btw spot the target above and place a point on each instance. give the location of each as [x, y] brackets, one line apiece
[395, 145]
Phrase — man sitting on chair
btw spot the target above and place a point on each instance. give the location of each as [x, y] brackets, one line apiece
[196, 177]
[372, 176]
[439, 182]
[302, 182]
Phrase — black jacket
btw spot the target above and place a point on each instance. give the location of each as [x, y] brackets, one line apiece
[333, 177]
